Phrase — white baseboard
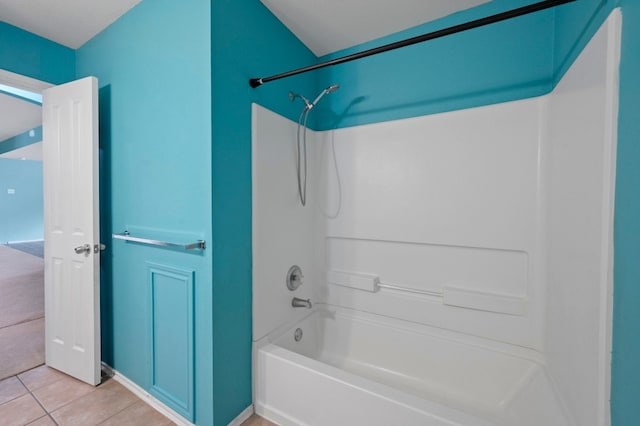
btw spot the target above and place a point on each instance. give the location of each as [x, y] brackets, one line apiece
[246, 413]
[146, 397]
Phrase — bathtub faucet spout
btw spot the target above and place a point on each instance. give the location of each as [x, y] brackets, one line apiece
[301, 303]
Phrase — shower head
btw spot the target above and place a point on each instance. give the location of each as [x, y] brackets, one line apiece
[329, 89]
[308, 105]
[332, 88]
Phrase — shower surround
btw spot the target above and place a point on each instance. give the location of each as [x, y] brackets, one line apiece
[459, 264]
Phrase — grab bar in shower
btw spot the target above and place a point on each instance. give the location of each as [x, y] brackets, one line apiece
[410, 290]
[198, 245]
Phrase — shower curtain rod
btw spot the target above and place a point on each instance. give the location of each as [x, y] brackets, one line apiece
[525, 10]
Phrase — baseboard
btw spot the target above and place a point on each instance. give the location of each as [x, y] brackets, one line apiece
[275, 416]
[146, 397]
[246, 413]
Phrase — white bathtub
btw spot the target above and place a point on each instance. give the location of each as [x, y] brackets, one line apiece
[353, 368]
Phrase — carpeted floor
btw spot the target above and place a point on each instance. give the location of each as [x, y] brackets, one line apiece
[21, 311]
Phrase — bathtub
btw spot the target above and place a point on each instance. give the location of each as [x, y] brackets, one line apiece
[355, 368]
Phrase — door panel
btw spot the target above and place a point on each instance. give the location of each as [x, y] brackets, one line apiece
[71, 218]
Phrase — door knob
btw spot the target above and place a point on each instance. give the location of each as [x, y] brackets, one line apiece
[86, 249]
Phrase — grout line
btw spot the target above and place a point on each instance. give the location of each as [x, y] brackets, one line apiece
[49, 384]
[115, 414]
[48, 414]
[16, 397]
[22, 322]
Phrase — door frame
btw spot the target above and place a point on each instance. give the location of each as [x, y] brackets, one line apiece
[33, 85]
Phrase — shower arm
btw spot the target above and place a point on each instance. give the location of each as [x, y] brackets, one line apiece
[525, 10]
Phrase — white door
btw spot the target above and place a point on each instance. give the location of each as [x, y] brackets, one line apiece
[71, 227]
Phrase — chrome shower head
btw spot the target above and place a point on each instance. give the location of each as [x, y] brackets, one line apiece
[332, 88]
[329, 89]
[308, 105]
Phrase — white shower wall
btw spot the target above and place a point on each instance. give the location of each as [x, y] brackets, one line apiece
[494, 222]
[283, 230]
[447, 205]
[580, 160]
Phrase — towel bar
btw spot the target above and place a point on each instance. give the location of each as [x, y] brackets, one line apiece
[198, 245]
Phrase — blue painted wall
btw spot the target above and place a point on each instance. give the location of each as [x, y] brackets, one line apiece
[20, 213]
[154, 71]
[247, 41]
[169, 72]
[626, 321]
[25, 53]
[502, 62]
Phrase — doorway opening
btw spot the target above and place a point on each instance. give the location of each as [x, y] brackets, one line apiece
[22, 327]
[21, 233]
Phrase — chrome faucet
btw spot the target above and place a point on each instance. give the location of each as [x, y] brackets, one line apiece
[301, 303]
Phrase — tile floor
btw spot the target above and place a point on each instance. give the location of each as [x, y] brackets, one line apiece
[257, 421]
[45, 397]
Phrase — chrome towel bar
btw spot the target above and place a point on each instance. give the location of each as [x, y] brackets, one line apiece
[198, 245]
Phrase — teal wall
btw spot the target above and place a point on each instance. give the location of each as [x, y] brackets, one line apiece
[25, 53]
[626, 312]
[20, 213]
[154, 71]
[247, 41]
[498, 63]
[176, 150]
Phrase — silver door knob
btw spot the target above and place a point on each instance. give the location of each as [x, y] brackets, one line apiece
[86, 249]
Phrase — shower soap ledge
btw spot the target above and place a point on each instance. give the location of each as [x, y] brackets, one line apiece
[357, 280]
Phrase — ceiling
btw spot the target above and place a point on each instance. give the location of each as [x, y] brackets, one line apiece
[17, 116]
[69, 22]
[328, 26]
[31, 152]
[324, 26]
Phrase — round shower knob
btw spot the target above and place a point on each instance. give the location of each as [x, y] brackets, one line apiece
[294, 278]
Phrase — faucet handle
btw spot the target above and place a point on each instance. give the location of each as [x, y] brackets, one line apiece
[294, 278]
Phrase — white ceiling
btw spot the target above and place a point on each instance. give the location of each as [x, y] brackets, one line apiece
[325, 26]
[31, 152]
[69, 22]
[17, 116]
[328, 26]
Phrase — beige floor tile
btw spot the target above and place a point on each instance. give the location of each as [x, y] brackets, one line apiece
[137, 414]
[40, 376]
[20, 411]
[21, 347]
[11, 388]
[106, 401]
[256, 420]
[61, 392]
[43, 421]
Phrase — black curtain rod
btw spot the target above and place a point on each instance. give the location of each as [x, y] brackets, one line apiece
[525, 10]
